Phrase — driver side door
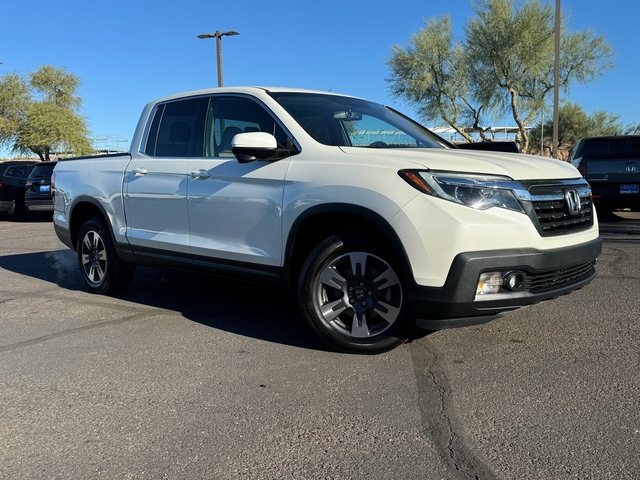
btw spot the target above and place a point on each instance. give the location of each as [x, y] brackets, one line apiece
[235, 209]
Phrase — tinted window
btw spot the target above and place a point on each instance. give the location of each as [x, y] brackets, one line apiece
[18, 171]
[42, 170]
[229, 116]
[176, 129]
[611, 146]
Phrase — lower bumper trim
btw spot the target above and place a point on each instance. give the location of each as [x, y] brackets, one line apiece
[456, 304]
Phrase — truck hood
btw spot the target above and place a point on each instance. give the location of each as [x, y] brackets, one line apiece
[517, 166]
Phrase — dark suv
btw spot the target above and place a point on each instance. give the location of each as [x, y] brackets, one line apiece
[38, 195]
[13, 177]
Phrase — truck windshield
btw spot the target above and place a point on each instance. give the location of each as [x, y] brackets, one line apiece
[344, 121]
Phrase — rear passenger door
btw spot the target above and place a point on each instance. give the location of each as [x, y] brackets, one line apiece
[235, 209]
[155, 184]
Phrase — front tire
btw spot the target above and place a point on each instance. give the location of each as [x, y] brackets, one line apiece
[102, 270]
[351, 295]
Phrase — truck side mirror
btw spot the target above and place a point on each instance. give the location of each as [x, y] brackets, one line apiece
[251, 146]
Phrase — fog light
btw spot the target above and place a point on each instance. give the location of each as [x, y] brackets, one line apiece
[513, 281]
[490, 282]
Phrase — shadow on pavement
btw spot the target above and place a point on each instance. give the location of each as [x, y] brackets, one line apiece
[252, 310]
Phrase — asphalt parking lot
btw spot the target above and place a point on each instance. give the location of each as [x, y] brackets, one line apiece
[185, 376]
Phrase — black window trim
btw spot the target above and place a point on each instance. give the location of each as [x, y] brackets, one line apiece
[203, 120]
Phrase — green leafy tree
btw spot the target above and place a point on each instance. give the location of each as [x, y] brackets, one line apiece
[14, 99]
[40, 115]
[430, 74]
[573, 124]
[503, 66]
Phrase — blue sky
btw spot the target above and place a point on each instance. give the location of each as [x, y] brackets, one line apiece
[127, 53]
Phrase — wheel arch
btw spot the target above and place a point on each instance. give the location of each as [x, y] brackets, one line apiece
[86, 208]
[322, 221]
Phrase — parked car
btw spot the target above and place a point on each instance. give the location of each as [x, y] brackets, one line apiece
[13, 177]
[611, 165]
[37, 197]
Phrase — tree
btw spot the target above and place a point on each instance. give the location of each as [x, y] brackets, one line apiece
[573, 124]
[40, 115]
[14, 98]
[633, 129]
[430, 75]
[503, 66]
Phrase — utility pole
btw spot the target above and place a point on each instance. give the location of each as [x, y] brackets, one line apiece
[556, 81]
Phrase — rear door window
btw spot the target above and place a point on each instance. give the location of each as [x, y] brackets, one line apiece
[177, 129]
[18, 171]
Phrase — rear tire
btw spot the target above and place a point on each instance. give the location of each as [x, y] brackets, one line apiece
[20, 211]
[352, 296]
[102, 270]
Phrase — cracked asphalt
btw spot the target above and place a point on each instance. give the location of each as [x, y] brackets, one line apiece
[186, 376]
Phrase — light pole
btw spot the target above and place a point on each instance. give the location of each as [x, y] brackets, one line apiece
[218, 36]
[556, 81]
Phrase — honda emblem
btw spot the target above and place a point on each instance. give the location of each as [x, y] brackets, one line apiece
[573, 202]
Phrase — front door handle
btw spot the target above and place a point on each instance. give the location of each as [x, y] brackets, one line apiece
[203, 174]
[139, 171]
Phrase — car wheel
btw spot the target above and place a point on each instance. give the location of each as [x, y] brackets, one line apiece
[352, 296]
[20, 211]
[102, 270]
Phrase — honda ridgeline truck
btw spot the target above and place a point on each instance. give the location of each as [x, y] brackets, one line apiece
[378, 224]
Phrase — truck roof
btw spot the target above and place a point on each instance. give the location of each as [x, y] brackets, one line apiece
[252, 90]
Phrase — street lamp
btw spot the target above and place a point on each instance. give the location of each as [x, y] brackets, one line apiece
[556, 81]
[218, 36]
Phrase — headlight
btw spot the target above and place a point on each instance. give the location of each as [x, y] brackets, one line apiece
[476, 191]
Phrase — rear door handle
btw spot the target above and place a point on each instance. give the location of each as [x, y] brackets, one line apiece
[139, 171]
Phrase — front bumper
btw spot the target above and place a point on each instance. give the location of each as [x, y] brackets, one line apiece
[548, 274]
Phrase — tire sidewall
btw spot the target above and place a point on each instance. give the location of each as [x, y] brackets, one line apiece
[106, 285]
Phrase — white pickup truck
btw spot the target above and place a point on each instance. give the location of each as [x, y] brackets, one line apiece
[380, 225]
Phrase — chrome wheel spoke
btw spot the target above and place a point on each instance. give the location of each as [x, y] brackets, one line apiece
[87, 242]
[386, 311]
[96, 273]
[359, 328]
[332, 278]
[387, 279]
[330, 311]
[358, 262]
[85, 259]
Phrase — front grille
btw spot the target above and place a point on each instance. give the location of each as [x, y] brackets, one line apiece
[553, 218]
[541, 282]
[550, 210]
